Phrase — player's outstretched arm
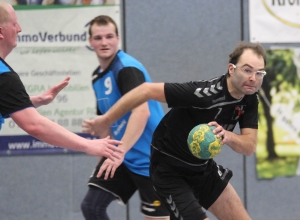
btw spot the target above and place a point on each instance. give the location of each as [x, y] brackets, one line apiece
[50, 94]
[45, 130]
[134, 98]
[105, 147]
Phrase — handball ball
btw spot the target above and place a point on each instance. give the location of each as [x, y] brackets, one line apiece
[203, 143]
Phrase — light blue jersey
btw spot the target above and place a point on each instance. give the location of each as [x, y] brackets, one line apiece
[108, 93]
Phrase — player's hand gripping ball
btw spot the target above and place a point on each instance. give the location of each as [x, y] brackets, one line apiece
[203, 143]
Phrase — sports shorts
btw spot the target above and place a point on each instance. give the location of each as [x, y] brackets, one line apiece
[124, 184]
[185, 191]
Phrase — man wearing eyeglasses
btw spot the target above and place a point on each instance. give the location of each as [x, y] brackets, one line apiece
[186, 183]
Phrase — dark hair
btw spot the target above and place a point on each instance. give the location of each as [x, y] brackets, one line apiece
[103, 20]
[238, 51]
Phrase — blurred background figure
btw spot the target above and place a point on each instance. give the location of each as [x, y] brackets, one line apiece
[66, 2]
[99, 2]
[62, 2]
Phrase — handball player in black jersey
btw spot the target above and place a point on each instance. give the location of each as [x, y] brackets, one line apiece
[184, 182]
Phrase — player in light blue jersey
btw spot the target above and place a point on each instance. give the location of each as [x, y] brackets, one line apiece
[117, 74]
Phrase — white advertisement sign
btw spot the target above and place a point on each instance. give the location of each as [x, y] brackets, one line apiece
[274, 21]
[60, 27]
[42, 67]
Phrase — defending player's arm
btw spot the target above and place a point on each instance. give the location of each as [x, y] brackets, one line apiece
[44, 129]
[134, 129]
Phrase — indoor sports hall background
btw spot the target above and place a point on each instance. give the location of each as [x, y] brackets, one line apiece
[177, 41]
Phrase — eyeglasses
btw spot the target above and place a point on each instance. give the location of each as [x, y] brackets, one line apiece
[249, 73]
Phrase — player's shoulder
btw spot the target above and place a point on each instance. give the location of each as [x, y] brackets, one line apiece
[220, 80]
[128, 60]
[4, 67]
[213, 86]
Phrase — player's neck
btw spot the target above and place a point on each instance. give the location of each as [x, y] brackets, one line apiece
[105, 62]
[4, 53]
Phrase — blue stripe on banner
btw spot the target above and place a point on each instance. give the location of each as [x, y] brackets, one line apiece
[28, 145]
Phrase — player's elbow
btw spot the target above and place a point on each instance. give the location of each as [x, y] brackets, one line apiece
[251, 149]
[249, 153]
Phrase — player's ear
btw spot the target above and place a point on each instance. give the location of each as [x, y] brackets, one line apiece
[231, 68]
[1, 32]
[90, 41]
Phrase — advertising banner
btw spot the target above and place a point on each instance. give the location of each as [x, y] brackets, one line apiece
[54, 44]
[278, 148]
[274, 21]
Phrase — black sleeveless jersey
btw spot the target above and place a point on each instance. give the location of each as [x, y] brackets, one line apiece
[198, 102]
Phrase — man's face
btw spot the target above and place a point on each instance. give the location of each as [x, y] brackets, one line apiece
[10, 30]
[104, 41]
[244, 79]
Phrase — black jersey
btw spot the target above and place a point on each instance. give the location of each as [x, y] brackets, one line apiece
[200, 102]
[13, 96]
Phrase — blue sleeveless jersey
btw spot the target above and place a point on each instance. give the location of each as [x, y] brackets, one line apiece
[107, 94]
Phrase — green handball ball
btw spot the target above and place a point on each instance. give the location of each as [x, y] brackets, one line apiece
[203, 143]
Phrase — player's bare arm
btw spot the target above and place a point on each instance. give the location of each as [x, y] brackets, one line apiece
[134, 98]
[45, 130]
[134, 129]
[129, 101]
[243, 143]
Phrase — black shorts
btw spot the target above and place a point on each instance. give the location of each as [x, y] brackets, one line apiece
[124, 184]
[185, 191]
